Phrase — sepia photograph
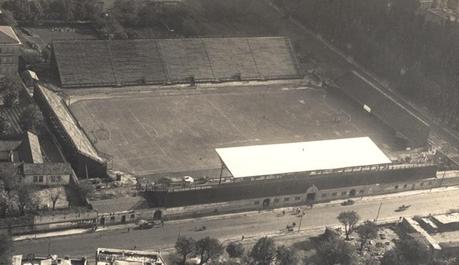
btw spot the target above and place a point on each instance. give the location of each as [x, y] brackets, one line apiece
[229, 132]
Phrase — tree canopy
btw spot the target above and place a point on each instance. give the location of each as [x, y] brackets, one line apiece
[349, 219]
[287, 256]
[367, 231]
[185, 246]
[335, 250]
[235, 250]
[208, 248]
[32, 119]
[264, 251]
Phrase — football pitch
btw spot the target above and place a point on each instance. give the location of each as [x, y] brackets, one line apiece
[156, 133]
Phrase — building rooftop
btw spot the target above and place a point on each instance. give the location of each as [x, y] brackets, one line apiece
[260, 160]
[47, 169]
[77, 136]
[32, 143]
[8, 36]
[106, 256]
[7, 146]
[50, 260]
[447, 218]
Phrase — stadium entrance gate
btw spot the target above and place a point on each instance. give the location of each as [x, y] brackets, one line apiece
[311, 194]
[266, 203]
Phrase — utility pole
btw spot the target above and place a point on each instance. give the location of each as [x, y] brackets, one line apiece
[301, 219]
[379, 210]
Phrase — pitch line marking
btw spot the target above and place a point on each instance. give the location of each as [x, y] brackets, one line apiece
[389, 97]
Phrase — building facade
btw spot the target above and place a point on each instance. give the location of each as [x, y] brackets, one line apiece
[47, 174]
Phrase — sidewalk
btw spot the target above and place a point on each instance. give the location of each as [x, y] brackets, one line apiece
[71, 232]
[229, 215]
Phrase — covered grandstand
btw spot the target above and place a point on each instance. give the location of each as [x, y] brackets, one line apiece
[306, 170]
[78, 149]
[93, 63]
[263, 160]
[386, 109]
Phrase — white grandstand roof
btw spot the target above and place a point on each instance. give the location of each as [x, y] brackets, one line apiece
[261, 160]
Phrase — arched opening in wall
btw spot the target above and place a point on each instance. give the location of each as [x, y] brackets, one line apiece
[158, 215]
[310, 197]
[102, 221]
[123, 219]
[266, 203]
[352, 193]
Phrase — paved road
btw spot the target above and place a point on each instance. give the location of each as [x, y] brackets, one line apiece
[249, 224]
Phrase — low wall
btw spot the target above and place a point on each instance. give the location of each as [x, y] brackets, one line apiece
[29, 224]
[296, 199]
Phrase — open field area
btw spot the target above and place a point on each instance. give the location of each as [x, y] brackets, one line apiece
[179, 131]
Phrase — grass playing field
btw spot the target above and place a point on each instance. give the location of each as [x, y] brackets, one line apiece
[178, 132]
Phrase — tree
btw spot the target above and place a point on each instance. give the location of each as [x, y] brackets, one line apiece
[10, 87]
[85, 189]
[126, 12]
[184, 247]
[7, 18]
[208, 248]
[54, 195]
[407, 252]
[335, 250]
[5, 126]
[287, 256]
[367, 231]
[264, 251]
[32, 119]
[392, 257]
[25, 198]
[235, 250]
[349, 219]
[6, 249]
[414, 251]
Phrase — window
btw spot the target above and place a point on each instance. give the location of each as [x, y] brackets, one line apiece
[132, 216]
[40, 178]
[343, 193]
[405, 186]
[286, 199]
[257, 202]
[276, 200]
[334, 194]
[112, 218]
[35, 178]
[396, 187]
[297, 198]
[324, 195]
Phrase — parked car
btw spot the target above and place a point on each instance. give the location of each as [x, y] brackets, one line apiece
[142, 224]
[348, 202]
[402, 208]
[200, 228]
[188, 179]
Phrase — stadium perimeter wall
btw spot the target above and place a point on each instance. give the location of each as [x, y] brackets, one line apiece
[401, 120]
[287, 185]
